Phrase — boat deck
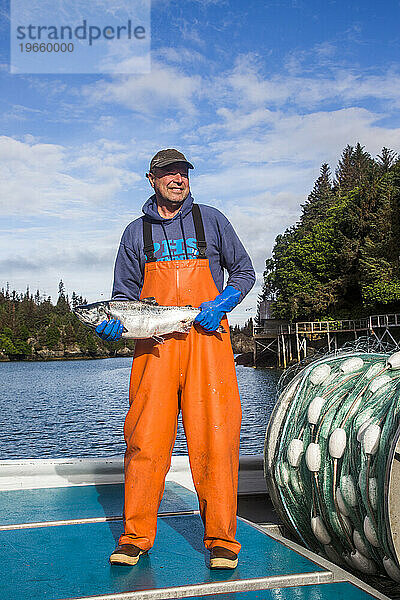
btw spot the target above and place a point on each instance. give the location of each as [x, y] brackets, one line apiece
[55, 543]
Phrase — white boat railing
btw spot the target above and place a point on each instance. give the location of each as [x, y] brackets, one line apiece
[64, 472]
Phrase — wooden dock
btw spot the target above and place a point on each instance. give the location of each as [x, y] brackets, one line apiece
[286, 342]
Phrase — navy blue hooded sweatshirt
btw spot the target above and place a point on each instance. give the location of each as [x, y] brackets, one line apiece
[175, 239]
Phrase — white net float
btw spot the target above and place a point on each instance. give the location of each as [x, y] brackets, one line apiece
[355, 363]
[320, 531]
[295, 452]
[393, 361]
[341, 503]
[332, 459]
[337, 442]
[314, 409]
[348, 490]
[313, 457]
[320, 373]
[360, 543]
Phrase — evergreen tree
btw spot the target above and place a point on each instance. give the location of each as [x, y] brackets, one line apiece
[380, 261]
[53, 336]
[320, 199]
[363, 165]
[342, 258]
[75, 300]
[345, 170]
[62, 302]
[61, 289]
[386, 159]
[247, 329]
[355, 169]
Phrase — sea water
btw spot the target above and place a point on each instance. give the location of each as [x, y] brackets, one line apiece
[76, 408]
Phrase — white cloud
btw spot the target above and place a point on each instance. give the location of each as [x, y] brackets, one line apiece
[264, 217]
[166, 88]
[50, 179]
[105, 123]
[242, 97]
[239, 182]
[181, 55]
[83, 256]
[237, 121]
[246, 85]
[258, 222]
[70, 209]
[120, 58]
[302, 140]
[19, 112]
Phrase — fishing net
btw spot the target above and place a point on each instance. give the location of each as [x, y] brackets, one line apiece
[329, 452]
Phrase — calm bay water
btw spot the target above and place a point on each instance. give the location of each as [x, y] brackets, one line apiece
[77, 408]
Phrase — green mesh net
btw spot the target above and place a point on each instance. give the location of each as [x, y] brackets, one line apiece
[327, 468]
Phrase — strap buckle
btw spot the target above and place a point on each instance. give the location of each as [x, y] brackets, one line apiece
[202, 247]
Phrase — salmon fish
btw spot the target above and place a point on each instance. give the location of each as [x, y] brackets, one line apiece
[141, 318]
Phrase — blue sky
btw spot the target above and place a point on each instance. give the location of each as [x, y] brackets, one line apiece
[256, 94]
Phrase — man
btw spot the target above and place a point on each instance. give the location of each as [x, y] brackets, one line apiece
[177, 253]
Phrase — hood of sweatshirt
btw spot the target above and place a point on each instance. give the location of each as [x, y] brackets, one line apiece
[150, 209]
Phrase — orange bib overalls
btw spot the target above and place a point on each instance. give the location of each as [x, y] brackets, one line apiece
[194, 372]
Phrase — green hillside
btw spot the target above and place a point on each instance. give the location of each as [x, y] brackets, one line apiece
[32, 327]
[341, 259]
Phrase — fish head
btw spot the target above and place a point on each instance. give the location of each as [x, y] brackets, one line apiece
[92, 314]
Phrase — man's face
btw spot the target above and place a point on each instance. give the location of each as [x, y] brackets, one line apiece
[171, 183]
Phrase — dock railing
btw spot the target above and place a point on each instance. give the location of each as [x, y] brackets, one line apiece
[390, 320]
[332, 326]
[288, 341]
[313, 327]
[272, 330]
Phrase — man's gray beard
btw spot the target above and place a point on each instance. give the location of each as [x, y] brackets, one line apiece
[176, 202]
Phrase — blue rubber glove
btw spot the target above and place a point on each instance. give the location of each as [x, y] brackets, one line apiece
[110, 330]
[213, 311]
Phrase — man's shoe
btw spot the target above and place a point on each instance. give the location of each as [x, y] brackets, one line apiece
[222, 558]
[126, 554]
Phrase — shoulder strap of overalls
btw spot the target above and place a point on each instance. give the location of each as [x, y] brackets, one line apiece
[199, 231]
[198, 228]
[148, 241]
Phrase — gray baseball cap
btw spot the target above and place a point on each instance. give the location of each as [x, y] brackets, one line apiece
[167, 157]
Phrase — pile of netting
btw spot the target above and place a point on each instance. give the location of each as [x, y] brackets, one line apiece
[329, 449]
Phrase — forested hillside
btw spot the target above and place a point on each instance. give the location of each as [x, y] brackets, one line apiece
[32, 327]
[341, 259]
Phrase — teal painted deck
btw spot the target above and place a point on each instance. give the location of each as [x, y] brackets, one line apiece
[71, 560]
[81, 502]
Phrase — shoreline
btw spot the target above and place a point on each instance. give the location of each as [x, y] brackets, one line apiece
[59, 358]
